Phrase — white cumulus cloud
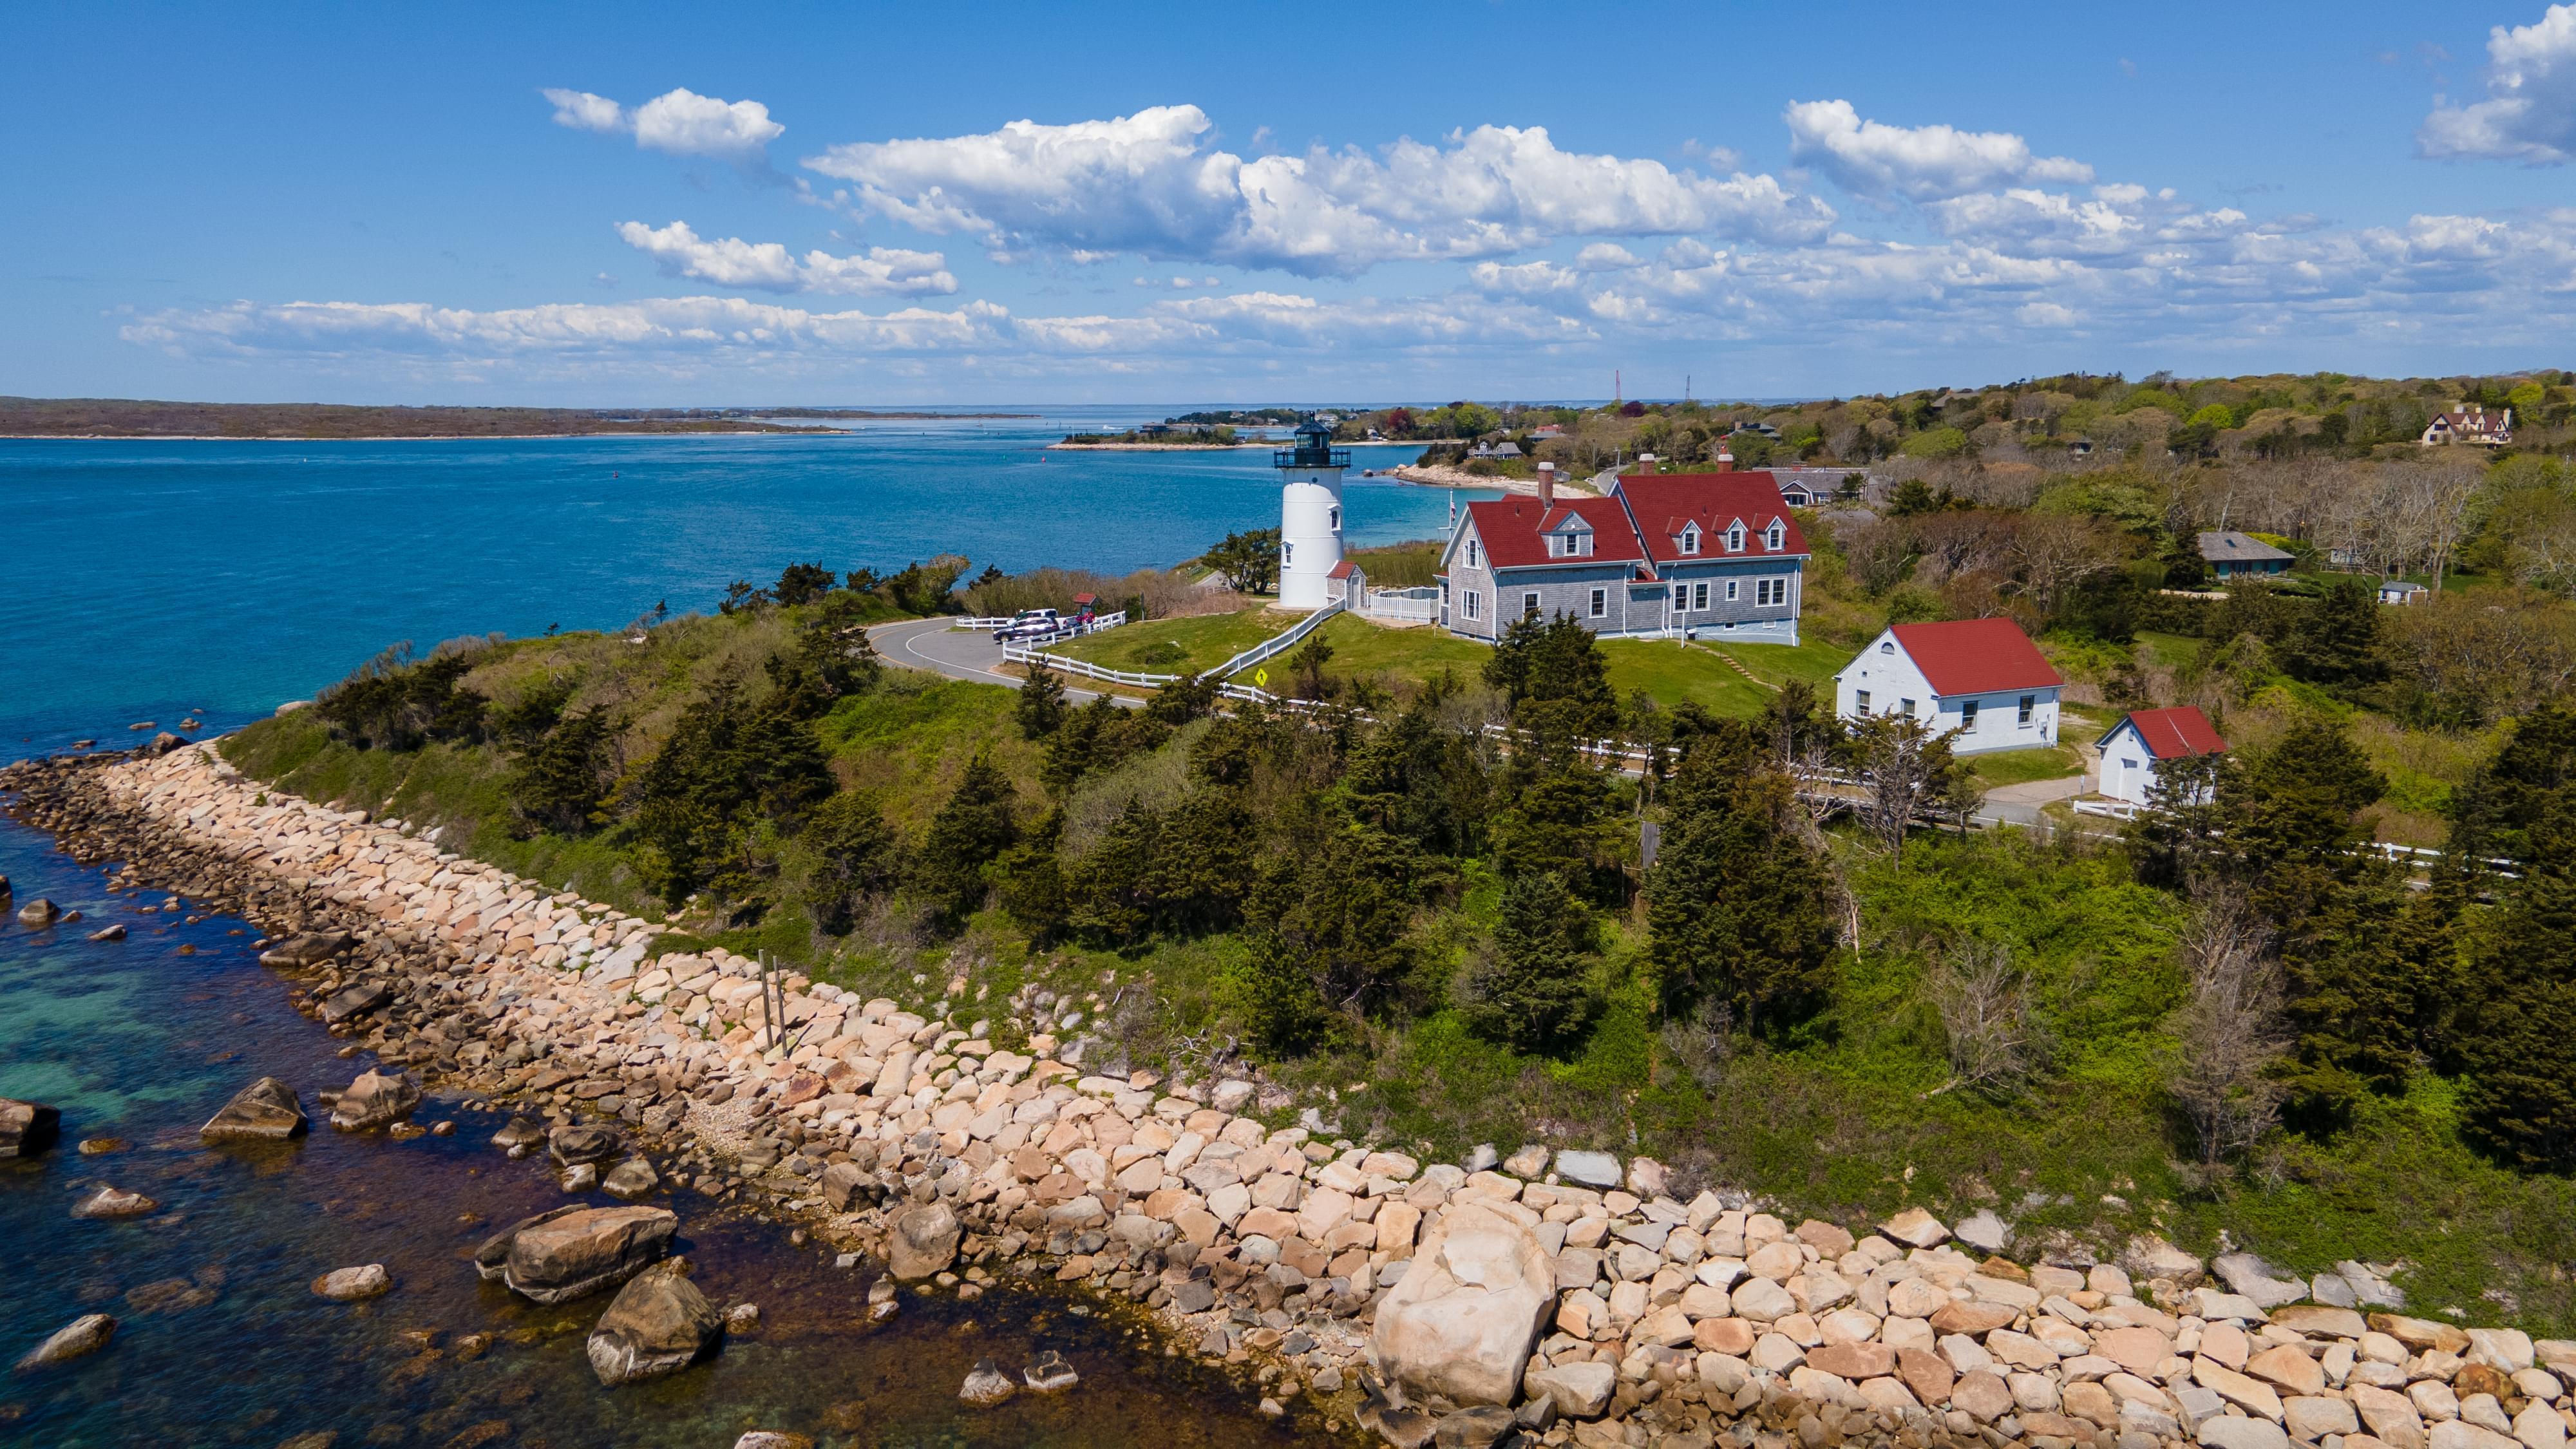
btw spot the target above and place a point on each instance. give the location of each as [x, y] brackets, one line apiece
[770, 267]
[2529, 114]
[1153, 183]
[1919, 163]
[680, 122]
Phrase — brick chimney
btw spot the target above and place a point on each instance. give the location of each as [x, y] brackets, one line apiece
[1725, 460]
[1645, 462]
[1546, 485]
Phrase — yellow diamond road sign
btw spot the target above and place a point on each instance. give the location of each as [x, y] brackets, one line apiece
[1261, 676]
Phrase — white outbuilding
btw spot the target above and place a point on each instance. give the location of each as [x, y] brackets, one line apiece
[2148, 738]
[1980, 681]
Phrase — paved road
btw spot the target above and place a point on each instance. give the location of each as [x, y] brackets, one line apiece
[958, 653]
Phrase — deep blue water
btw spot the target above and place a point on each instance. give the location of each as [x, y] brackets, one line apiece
[142, 580]
[146, 579]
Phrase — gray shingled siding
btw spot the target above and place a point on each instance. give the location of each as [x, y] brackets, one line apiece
[1631, 608]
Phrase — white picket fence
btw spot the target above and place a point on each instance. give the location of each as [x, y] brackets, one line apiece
[1280, 644]
[1073, 629]
[1412, 606]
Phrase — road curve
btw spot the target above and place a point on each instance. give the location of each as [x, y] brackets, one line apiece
[968, 654]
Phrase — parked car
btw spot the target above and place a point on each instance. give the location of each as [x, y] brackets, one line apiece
[1028, 624]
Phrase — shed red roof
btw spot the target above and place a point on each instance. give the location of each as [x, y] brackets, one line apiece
[1975, 656]
[2173, 733]
[1662, 502]
[1512, 529]
[1340, 570]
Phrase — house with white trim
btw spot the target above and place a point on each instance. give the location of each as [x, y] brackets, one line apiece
[2145, 739]
[1980, 681]
[1660, 555]
[2470, 423]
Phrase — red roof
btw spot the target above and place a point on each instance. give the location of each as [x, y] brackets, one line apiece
[1512, 528]
[1662, 502]
[2173, 733]
[1341, 570]
[1975, 656]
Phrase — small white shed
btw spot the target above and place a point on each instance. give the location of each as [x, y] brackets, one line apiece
[2147, 738]
[1981, 681]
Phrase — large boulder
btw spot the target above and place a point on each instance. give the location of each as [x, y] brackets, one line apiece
[1461, 1322]
[349, 1285]
[312, 948]
[660, 1324]
[583, 1251]
[584, 1142]
[264, 1111]
[114, 1202]
[922, 1240]
[375, 1099]
[39, 913]
[86, 1334]
[27, 1128]
[493, 1258]
[356, 999]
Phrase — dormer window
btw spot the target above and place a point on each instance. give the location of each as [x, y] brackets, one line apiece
[1773, 537]
[1690, 538]
[1735, 538]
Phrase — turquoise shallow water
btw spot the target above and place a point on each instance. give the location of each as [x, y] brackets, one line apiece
[146, 579]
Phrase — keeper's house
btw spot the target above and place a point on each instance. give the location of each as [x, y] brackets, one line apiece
[1699, 553]
[1980, 681]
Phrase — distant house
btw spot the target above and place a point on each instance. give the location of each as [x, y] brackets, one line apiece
[1801, 487]
[2398, 591]
[1507, 449]
[1659, 555]
[2470, 423]
[2147, 738]
[1545, 431]
[1980, 681]
[2234, 555]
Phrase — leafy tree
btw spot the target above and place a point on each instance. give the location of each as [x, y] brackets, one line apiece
[742, 597]
[394, 703]
[523, 722]
[854, 856]
[563, 776]
[968, 833]
[1530, 991]
[1307, 666]
[927, 588]
[2337, 644]
[803, 583]
[1737, 911]
[1040, 707]
[1249, 560]
[1913, 498]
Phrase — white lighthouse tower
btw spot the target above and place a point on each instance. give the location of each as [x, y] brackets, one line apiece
[1310, 514]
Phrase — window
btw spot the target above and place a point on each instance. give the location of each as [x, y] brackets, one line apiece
[1730, 590]
[1860, 703]
[1529, 604]
[1735, 538]
[1770, 592]
[1699, 596]
[1967, 716]
[1905, 707]
[2028, 701]
[1690, 538]
[1890, 648]
[1337, 518]
[1773, 538]
[1470, 599]
[1471, 553]
[1288, 553]
[1600, 603]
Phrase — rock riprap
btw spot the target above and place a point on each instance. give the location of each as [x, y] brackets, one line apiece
[1621, 1310]
[265, 1111]
[557, 1257]
[27, 1128]
[659, 1324]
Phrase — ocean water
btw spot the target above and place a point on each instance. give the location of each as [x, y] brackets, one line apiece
[147, 579]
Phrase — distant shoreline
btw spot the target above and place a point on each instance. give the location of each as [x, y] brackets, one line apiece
[423, 437]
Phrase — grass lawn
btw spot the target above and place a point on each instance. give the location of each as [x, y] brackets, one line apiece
[2168, 650]
[1671, 672]
[1175, 646]
[1814, 661]
[2020, 767]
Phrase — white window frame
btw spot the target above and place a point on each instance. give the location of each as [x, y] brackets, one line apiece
[1774, 536]
[1731, 586]
[1860, 703]
[1471, 558]
[2029, 710]
[1967, 716]
[1905, 707]
[1600, 602]
[1469, 598]
[1699, 597]
[1735, 538]
[1530, 605]
[1690, 538]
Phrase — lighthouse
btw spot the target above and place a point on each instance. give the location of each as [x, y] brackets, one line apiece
[1310, 514]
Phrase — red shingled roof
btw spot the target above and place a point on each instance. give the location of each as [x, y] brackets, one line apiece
[1341, 570]
[1975, 656]
[1662, 503]
[2172, 733]
[1511, 529]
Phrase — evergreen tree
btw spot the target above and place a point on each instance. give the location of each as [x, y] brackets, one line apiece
[1041, 706]
[1419, 782]
[2518, 1020]
[2337, 644]
[854, 856]
[725, 766]
[1340, 912]
[969, 832]
[1032, 886]
[561, 783]
[1737, 912]
[2494, 810]
[1530, 991]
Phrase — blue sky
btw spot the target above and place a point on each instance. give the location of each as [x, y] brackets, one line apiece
[678, 205]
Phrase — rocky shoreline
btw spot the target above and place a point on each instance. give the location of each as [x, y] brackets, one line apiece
[1551, 1297]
